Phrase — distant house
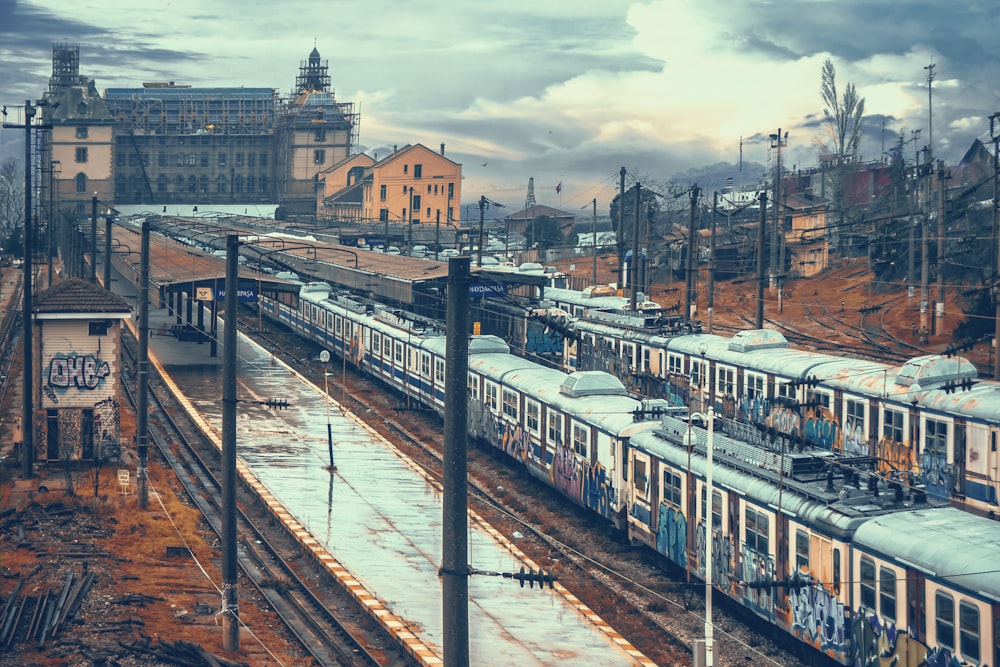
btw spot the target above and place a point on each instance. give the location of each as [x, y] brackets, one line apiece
[805, 231]
[414, 184]
[77, 334]
[518, 222]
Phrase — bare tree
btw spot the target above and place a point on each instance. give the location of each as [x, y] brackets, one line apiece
[11, 196]
[843, 116]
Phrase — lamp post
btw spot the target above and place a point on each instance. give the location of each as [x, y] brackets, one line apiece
[324, 357]
[52, 216]
[709, 417]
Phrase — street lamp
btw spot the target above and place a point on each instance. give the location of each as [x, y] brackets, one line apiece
[709, 417]
[324, 357]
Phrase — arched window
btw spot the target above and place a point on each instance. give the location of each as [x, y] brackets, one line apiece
[192, 183]
[220, 184]
[81, 182]
[161, 183]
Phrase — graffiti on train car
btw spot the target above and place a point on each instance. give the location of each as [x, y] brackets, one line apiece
[879, 643]
[512, 438]
[758, 568]
[587, 484]
[822, 429]
[671, 534]
[854, 442]
[818, 616]
[722, 556]
[935, 473]
[539, 339]
[894, 455]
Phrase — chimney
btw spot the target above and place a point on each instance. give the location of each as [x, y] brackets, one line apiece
[394, 149]
[442, 148]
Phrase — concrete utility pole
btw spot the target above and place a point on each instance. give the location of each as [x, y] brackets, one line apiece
[482, 216]
[93, 239]
[711, 260]
[930, 112]
[995, 136]
[760, 260]
[142, 409]
[594, 230]
[409, 215]
[621, 227]
[690, 304]
[939, 306]
[230, 571]
[777, 141]
[27, 414]
[924, 291]
[634, 264]
[455, 549]
[107, 251]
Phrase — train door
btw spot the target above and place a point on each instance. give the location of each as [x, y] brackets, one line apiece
[959, 457]
[916, 605]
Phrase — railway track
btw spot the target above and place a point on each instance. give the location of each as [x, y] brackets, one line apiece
[325, 620]
[656, 609]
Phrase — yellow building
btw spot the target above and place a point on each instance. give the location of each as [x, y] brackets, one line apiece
[413, 185]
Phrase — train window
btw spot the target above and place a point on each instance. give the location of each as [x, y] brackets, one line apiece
[399, 352]
[724, 383]
[755, 387]
[640, 476]
[785, 390]
[716, 507]
[936, 435]
[580, 440]
[491, 396]
[439, 371]
[473, 387]
[387, 347]
[802, 550]
[532, 411]
[836, 570]
[944, 620]
[425, 364]
[697, 377]
[672, 487]
[338, 325]
[968, 630]
[628, 352]
[819, 398]
[867, 583]
[757, 530]
[555, 428]
[855, 423]
[887, 593]
[329, 319]
[892, 425]
[676, 364]
[376, 342]
[510, 403]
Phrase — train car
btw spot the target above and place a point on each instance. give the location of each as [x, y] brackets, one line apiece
[569, 431]
[845, 559]
[595, 298]
[926, 589]
[930, 417]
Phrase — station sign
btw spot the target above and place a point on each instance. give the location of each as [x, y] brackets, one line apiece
[244, 294]
[484, 289]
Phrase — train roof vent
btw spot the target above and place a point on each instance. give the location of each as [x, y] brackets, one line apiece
[599, 290]
[933, 369]
[592, 383]
[756, 339]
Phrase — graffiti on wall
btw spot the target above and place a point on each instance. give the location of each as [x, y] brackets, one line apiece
[539, 339]
[77, 371]
[671, 534]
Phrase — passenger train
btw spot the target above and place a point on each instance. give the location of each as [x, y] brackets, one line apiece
[849, 553]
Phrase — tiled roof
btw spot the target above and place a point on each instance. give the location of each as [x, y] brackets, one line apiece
[79, 296]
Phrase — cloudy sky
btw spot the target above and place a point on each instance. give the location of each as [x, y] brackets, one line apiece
[563, 91]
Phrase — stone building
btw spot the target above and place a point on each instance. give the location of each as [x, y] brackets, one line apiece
[169, 143]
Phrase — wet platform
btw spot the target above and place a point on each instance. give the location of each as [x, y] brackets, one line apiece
[376, 522]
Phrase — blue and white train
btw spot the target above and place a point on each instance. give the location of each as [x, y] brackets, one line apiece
[856, 559]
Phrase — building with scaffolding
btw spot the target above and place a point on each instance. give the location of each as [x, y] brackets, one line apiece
[168, 143]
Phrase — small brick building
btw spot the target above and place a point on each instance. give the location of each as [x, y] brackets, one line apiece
[77, 334]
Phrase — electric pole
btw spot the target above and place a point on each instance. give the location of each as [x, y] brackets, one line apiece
[633, 267]
[760, 260]
[711, 260]
[690, 305]
[621, 228]
[776, 237]
[995, 137]
[594, 230]
[930, 114]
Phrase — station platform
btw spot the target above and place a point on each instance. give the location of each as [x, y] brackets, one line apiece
[376, 521]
